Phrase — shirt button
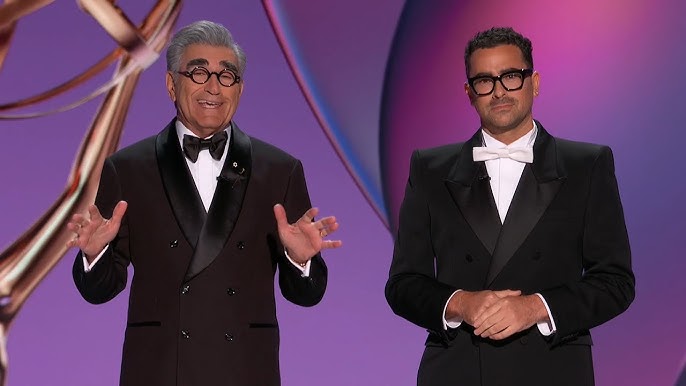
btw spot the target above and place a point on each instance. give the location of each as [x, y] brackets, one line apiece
[228, 337]
[185, 334]
[240, 245]
[185, 289]
[231, 291]
[173, 243]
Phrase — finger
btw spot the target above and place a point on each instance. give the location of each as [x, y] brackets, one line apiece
[505, 333]
[309, 215]
[118, 212]
[489, 326]
[280, 215]
[75, 241]
[506, 293]
[78, 218]
[486, 313]
[329, 244]
[329, 226]
[328, 221]
[94, 213]
[74, 227]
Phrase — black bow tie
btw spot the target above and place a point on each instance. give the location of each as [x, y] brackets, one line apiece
[193, 145]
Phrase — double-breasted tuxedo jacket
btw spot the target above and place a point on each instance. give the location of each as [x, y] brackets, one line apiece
[564, 237]
[201, 306]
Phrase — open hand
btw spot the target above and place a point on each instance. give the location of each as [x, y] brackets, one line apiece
[93, 232]
[305, 238]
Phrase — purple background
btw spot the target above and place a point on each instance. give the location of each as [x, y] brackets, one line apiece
[611, 72]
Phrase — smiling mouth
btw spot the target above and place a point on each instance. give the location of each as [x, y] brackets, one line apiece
[209, 104]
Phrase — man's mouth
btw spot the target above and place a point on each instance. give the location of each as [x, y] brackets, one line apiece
[209, 104]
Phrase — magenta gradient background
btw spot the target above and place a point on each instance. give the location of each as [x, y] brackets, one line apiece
[612, 72]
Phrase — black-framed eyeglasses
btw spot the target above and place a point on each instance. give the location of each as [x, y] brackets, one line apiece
[511, 81]
[201, 75]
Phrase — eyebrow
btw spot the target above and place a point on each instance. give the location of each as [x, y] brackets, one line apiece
[229, 66]
[197, 62]
[481, 74]
[203, 62]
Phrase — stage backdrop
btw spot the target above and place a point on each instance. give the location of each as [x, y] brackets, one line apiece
[350, 88]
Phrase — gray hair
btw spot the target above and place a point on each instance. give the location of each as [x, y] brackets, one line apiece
[202, 32]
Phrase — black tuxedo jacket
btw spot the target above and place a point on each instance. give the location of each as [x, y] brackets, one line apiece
[201, 305]
[563, 237]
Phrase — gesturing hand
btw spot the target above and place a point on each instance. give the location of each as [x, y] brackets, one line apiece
[305, 238]
[93, 232]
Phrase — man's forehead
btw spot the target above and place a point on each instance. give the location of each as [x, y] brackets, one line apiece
[501, 57]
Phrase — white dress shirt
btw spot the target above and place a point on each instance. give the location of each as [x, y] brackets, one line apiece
[204, 172]
[504, 176]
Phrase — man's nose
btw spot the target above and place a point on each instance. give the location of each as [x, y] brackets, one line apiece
[212, 85]
[499, 90]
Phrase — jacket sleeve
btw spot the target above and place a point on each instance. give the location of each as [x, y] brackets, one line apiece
[108, 277]
[606, 287]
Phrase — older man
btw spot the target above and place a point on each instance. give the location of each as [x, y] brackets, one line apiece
[199, 210]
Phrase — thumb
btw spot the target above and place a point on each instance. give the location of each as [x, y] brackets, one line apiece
[119, 211]
[280, 215]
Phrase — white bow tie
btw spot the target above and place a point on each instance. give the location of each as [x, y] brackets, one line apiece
[521, 154]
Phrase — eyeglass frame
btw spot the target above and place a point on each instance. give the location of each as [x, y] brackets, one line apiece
[189, 74]
[525, 72]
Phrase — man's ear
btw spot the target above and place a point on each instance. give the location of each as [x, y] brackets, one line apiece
[170, 86]
[470, 95]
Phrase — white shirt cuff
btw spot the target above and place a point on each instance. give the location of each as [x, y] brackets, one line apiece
[546, 328]
[304, 269]
[453, 322]
[88, 267]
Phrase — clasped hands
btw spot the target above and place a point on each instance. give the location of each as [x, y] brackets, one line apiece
[497, 314]
[302, 239]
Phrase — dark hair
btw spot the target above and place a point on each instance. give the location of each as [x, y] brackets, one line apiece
[498, 36]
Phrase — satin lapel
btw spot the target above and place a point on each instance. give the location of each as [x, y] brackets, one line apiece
[468, 184]
[178, 184]
[537, 187]
[226, 203]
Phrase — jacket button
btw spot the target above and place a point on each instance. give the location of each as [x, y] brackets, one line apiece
[185, 334]
[185, 289]
[524, 340]
[240, 245]
[537, 255]
[231, 291]
[173, 243]
[228, 337]
[469, 258]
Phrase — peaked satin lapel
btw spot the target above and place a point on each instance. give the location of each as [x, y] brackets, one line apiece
[178, 184]
[468, 184]
[537, 187]
[226, 203]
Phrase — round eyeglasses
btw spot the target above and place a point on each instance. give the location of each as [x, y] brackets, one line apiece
[201, 75]
[511, 81]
